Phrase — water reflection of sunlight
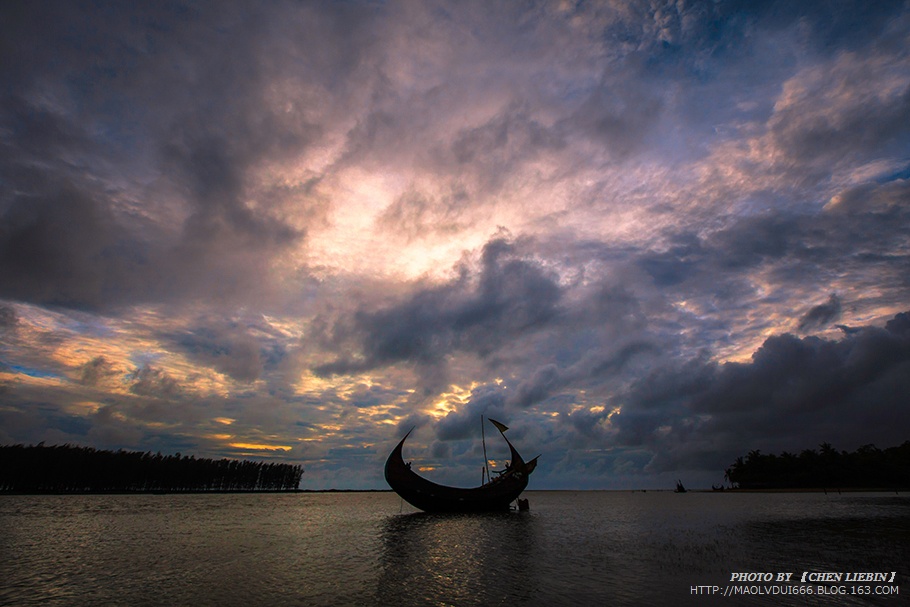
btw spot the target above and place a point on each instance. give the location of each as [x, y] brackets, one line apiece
[457, 559]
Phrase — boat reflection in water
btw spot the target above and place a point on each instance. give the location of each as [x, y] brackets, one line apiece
[496, 495]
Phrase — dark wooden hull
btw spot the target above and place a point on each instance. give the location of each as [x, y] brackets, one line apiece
[432, 497]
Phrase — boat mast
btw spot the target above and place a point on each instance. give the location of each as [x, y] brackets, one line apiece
[483, 439]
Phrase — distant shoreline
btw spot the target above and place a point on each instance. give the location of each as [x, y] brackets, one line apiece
[196, 492]
[810, 490]
[295, 491]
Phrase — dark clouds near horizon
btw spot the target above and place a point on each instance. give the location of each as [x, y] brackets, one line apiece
[646, 236]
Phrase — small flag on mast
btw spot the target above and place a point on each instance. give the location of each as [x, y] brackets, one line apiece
[499, 426]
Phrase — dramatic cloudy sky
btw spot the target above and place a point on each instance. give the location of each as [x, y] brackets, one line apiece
[649, 237]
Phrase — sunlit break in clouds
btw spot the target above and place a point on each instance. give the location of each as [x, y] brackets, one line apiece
[649, 238]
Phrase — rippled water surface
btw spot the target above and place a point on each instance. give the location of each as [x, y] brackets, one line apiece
[572, 548]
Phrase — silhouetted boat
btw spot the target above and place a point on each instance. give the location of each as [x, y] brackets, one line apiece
[679, 487]
[426, 495]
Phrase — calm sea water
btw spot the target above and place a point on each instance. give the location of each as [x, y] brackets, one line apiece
[572, 548]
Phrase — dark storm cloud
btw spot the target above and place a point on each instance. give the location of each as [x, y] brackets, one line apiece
[506, 312]
[860, 235]
[149, 381]
[8, 317]
[494, 151]
[756, 240]
[873, 197]
[677, 263]
[794, 394]
[100, 103]
[821, 315]
[509, 296]
[60, 241]
[237, 357]
[60, 246]
[487, 400]
[96, 371]
[214, 175]
[619, 117]
[599, 362]
[242, 349]
[544, 384]
[856, 129]
[598, 332]
[699, 413]
[509, 135]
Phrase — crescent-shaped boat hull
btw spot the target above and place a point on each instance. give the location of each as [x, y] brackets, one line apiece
[432, 497]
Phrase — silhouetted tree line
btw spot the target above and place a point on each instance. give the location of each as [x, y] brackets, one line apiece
[867, 467]
[70, 469]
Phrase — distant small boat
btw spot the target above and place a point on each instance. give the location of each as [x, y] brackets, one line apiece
[497, 494]
[679, 487]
